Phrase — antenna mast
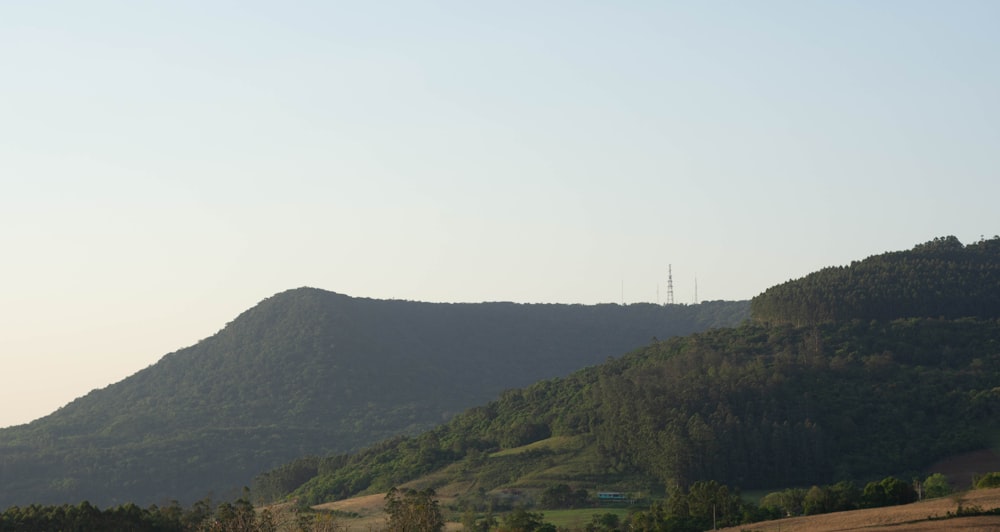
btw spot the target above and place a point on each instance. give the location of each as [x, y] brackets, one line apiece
[695, 290]
[670, 284]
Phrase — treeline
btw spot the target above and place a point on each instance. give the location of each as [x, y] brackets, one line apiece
[200, 517]
[707, 505]
[754, 406]
[938, 279]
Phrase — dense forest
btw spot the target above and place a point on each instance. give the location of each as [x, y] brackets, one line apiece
[311, 372]
[938, 279]
[897, 367]
[841, 378]
[754, 406]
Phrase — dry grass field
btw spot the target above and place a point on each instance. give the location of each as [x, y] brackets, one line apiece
[370, 511]
[909, 517]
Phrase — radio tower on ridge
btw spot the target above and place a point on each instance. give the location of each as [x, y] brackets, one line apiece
[670, 284]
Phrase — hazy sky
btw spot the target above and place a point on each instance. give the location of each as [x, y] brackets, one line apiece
[167, 165]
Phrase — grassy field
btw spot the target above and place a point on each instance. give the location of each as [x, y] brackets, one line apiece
[580, 518]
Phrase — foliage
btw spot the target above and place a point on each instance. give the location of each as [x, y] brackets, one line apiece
[563, 496]
[890, 491]
[754, 406]
[521, 520]
[227, 517]
[605, 522]
[309, 372]
[413, 511]
[838, 497]
[938, 279]
[704, 505]
[785, 503]
[764, 404]
[989, 480]
[936, 485]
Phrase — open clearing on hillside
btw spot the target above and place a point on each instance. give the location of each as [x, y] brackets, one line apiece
[909, 517]
[370, 511]
[579, 518]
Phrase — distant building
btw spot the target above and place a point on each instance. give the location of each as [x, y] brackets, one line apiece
[611, 496]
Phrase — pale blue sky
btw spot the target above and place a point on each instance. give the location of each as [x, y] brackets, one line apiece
[165, 166]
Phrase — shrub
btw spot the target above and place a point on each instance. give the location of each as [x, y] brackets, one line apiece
[989, 480]
[936, 485]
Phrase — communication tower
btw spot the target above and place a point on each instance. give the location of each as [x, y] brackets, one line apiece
[670, 284]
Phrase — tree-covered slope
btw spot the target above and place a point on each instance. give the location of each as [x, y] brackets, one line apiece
[940, 278]
[756, 406]
[310, 372]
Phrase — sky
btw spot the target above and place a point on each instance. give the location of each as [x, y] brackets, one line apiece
[165, 166]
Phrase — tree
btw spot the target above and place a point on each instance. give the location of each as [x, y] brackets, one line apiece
[413, 511]
[602, 522]
[989, 480]
[789, 502]
[521, 520]
[889, 491]
[563, 496]
[936, 485]
[817, 501]
[844, 495]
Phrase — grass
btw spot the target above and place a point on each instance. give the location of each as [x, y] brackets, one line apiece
[579, 518]
[557, 444]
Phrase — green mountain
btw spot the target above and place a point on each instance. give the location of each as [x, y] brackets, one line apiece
[937, 279]
[311, 372]
[762, 405]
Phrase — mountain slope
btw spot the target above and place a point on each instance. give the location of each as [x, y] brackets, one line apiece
[940, 278]
[755, 407]
[762, 405]
[309, 372]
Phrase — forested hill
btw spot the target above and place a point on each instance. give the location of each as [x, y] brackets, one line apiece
[939, 279]
[758, 406]
[311, 372]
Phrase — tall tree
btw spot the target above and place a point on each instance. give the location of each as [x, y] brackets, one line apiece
[413, 511]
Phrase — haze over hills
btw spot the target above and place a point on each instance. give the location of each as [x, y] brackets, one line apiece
[765, 405]
[311, 372]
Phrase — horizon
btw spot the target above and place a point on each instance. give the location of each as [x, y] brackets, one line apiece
[168, 167]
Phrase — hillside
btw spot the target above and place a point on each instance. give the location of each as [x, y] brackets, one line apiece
[754, 407]
[764, 405]
[937, 279]
[311, 372]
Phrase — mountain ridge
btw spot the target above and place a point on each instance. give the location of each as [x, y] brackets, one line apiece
[307, 371]
[771, 403]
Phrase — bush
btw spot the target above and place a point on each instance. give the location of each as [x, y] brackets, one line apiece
[989, 480]
[936, 485]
